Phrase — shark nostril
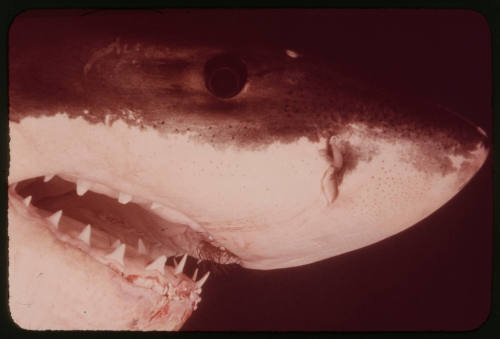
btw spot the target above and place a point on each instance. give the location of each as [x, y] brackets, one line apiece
[225, 75]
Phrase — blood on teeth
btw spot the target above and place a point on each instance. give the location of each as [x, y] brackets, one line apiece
[118, 248]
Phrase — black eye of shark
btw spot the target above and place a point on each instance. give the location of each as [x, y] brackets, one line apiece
[225, 75]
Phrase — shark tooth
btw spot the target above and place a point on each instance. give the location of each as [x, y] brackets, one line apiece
[141, 248]
[27, 201]
[48, 177]
[82, 187]
[175, 262]
[154, 205]
[116, 243]
[195, 274]
[158, 264]
[180, 266]
[124, 198]
[55, 218]
[118, 254]
[85, 234]
[200, 282]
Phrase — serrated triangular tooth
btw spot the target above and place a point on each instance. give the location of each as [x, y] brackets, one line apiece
[175, 261]
[82, 187]
[158, 264]
[141, 248]
[198, 262]
[118, 254]
[48, 177]
[116, 243]
[55, 218]
[200, 282]
[195, 274]
[27, 201]
[154, 205]
[85, 234]
[180, 266]
[124, 198]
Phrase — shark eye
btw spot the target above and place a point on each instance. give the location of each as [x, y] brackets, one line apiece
[225, 75]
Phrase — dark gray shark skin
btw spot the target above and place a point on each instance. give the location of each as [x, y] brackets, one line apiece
[160, 96]
[145, 70]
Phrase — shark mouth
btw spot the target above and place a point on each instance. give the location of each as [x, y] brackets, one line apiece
[140, 241]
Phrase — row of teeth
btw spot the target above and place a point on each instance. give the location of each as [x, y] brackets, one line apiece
[117, 255]
[83, 186]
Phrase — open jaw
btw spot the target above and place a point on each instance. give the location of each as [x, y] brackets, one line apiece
[105, 238]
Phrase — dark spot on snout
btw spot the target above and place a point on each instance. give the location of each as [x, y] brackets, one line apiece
[225, 75]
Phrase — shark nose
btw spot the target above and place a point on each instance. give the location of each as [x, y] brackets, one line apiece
[485, 139]
[477, 145]
[474, 129]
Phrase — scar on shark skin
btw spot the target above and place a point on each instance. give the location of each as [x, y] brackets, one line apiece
[329, 181]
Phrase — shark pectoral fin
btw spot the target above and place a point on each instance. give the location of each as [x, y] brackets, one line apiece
[329, 185]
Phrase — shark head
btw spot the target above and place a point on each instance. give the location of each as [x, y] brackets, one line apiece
[135, 148]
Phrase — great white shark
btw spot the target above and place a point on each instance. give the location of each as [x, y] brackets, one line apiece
[135, 145]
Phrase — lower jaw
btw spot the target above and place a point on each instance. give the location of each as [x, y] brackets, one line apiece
[54, 285]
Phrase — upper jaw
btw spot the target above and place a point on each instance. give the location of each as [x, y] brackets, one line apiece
[172, 231]
[99, 172]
